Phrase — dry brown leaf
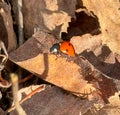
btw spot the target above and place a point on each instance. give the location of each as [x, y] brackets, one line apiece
[55, 102]
[57, 71]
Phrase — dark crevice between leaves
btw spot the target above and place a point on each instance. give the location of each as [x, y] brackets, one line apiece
[83, 22]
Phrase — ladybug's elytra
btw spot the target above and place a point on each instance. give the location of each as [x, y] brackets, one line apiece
[64, 47]
[67, 48]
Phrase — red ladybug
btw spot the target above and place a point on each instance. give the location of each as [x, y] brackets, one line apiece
[64, 47]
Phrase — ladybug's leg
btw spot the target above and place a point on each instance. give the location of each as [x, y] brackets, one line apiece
[68, 58]
[58, 55]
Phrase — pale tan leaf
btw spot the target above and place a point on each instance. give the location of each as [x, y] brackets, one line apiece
[57, 71]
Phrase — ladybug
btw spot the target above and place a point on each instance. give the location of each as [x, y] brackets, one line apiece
[65, 47]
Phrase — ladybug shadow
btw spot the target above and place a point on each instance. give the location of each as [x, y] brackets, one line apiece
[110, 69]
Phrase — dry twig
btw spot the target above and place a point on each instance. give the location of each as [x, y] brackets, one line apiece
[26, 78]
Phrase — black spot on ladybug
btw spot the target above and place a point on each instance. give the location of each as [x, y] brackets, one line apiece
[69, 44]
[66, 50]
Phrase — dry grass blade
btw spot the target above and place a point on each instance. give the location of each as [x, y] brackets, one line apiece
[14, 79]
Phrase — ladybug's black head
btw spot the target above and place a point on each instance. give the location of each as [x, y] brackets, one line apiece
[55, 49]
